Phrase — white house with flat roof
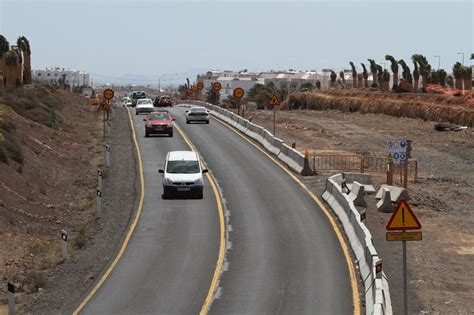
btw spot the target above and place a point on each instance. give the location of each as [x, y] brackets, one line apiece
[52, 75]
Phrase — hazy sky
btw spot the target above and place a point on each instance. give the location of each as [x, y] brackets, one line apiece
[112, 37]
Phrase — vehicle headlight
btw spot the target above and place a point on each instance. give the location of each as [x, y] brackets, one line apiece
[198, 181]
[168, 181]
[170, 125]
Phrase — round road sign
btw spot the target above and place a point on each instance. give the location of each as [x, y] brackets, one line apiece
[239, 92]
[108, 94]
[199, 86]
[216, 86]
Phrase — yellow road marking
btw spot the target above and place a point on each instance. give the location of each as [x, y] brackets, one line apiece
[220, 259]
[340, 237]
[130, 230]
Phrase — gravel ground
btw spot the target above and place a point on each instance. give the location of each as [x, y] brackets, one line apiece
[70, 281]
[441, 277]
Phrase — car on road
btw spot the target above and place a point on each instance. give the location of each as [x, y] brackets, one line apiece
[144, 106]
[158, 123]
[182, 174]
[137, 95]
[197, 113]
[163, 101]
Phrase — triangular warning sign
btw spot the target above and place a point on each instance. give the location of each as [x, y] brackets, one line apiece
[403, 218]
[104, 106]
[274, 101]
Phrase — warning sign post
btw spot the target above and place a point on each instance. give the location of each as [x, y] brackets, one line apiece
[408, 227]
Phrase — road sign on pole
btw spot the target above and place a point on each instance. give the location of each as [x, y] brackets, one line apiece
[200, 86]
[403, 218]
[108, 94]
[216, 86]
[238, 92]
[274, 102]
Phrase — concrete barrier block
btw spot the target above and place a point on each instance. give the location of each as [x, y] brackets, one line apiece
[385, 203]
[357, 194]
[396, 193]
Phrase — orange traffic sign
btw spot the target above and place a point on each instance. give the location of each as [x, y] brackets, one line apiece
[104, 106]
[199, 86]
[238, 92]
[404, 236]
[403, 218]
[109, 94]
[274, 101]
[216, 86]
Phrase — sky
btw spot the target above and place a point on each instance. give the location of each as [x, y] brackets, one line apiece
[110, 38]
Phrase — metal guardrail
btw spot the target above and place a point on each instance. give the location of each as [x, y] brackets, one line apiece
[354, 162]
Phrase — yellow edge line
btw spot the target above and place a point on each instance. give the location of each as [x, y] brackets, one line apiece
[220, 259]
[342, 241]
[130, 230]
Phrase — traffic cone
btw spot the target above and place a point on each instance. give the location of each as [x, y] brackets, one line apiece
[306, 171]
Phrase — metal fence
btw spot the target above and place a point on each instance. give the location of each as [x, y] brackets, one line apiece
[354, 162]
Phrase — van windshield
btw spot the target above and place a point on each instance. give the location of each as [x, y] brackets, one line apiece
[182, 167]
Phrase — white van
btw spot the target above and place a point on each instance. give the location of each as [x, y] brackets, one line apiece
[182, 174]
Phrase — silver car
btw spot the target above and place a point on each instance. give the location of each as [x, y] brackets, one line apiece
[197, 113]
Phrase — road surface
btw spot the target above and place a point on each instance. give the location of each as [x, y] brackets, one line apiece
[283, 256]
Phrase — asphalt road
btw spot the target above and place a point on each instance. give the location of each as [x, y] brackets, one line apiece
[168, 265]
[283, 256]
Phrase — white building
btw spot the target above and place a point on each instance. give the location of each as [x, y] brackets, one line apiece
[73, 78]
[231, 83]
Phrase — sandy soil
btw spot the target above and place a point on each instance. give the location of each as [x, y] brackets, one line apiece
[441, 277]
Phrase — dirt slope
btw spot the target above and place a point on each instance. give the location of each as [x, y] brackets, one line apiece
[51, 187]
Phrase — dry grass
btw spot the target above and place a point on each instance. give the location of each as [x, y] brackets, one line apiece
[427, 107]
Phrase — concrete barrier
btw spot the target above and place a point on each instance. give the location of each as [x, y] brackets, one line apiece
[286, 156]
[364, 179]
[377, 292]
[396, 193]
[385, 203]
[357, 195]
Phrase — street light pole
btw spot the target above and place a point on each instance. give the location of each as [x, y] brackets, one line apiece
[461, 53]
[439, 60]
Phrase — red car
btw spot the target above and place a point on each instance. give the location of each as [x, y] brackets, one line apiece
[159, 123]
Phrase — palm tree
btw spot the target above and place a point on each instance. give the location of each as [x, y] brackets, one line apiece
[416, 77]
[4, 47]
[318, 85]
[212, 96]
[467, 76]
[407, 78]
[458, 75]
[360, 80]
[307, 86]
[24, 46]
[10, 69]
[354, 75]
[343, 79]
[450, 81]
[333, 79]
[379, 74]
[425, 68]
[442, 77]
[385, 80]
[394, 67]
[373, 70]
[366, 76]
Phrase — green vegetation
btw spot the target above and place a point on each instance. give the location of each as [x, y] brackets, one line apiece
[38, 103]
[261, 94]
[10, 149]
